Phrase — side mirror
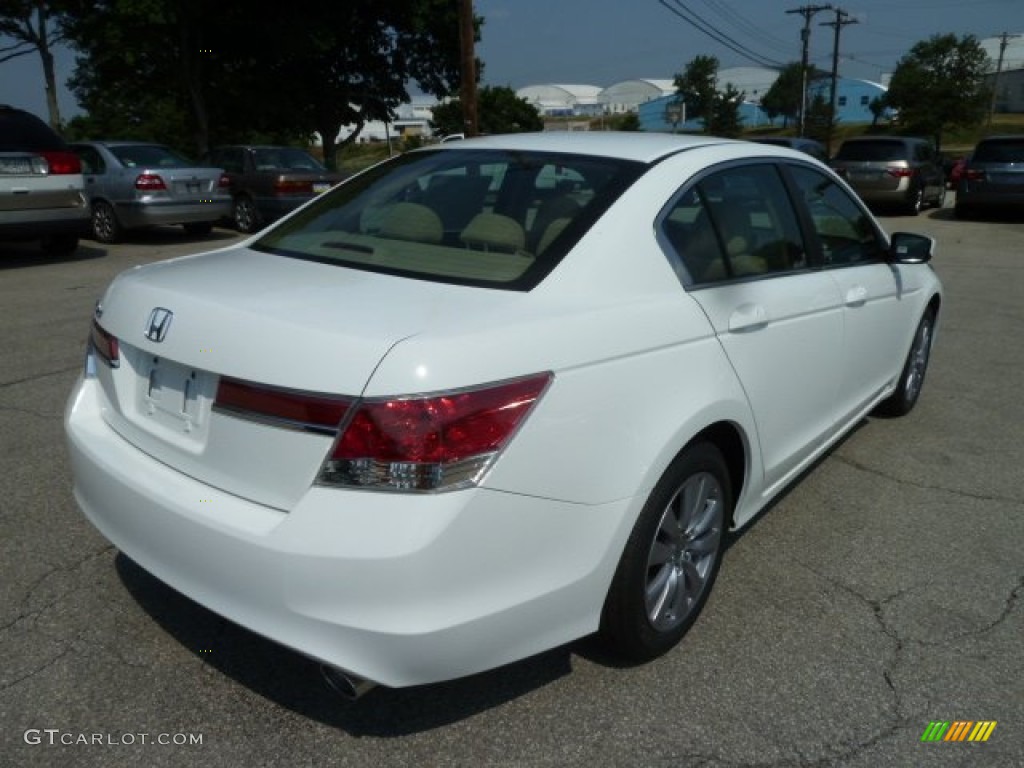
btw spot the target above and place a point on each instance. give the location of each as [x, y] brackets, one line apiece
[908, 248]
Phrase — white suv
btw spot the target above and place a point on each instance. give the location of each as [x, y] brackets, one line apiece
[41, 187]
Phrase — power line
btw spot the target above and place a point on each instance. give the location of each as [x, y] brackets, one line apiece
[701, 25]
[731, 17]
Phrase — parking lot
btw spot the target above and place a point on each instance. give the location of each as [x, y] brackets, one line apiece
[882, 592]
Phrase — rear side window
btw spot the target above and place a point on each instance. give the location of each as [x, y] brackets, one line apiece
[468, 216]
[1001, 151]
[737, 223]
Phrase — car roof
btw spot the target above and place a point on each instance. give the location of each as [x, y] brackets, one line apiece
[121, 143]
[884, 137]
[626, 145]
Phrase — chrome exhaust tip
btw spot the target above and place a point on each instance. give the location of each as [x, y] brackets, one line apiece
[345, 684]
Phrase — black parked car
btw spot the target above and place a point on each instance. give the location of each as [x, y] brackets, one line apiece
[992, 177]
[269, 181]
[41, 186]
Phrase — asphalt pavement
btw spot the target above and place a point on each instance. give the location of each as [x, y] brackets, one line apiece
[880, 594]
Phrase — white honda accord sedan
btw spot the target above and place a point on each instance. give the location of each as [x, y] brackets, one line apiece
[492, 396]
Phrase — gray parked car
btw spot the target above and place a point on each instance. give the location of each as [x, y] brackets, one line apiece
[992, 177]
[138, 184]
[899, 171]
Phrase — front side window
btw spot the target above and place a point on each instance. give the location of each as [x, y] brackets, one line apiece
[492, 218]
[736, 223]
[845, 231]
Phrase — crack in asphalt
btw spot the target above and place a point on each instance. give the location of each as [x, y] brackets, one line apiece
[26, 614]
[924, 486]
[28, 411]
[35, 671]
[38, 376]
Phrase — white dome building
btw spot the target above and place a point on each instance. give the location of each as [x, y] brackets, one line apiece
[628, 95]
[556, 99]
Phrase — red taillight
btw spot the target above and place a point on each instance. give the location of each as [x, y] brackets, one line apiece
[293, 187]
[224, 182]
[149, 182]
[973, 174]
[429, 443]
[900, 173]
[105, 345]
[320, 413]
[62, 162]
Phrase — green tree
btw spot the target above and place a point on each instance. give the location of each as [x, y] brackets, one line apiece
[697, 85]
[785, 97]
[727, 121]
[629, 122]
[29, 26]
[192, 72]
[819, 111]
[877, 106]
[940, 85]
[499, 110]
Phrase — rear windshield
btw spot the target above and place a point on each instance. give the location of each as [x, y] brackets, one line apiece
[149, 156]
[22, 132]
[1001, 151]
[284, 158]
[872, 151]
[493, 218]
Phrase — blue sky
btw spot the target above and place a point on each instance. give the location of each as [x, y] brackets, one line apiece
[600, 42]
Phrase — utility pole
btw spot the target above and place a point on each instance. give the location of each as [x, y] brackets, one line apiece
[1004, 40]
[807, 11]
[842, 19]
[467, 35]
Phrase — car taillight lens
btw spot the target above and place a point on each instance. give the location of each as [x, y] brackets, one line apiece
[224, 182]
[282, 407]
[900, 173]
[440, 442]
[974, 174]
[105, 345]
[149, 182]
[61, 163]
[292, 187]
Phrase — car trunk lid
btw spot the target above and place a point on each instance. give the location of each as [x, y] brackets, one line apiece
[187, 326]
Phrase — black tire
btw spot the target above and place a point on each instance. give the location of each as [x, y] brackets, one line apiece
[245, 214]
[198, 228]
[105, 226]
[911, 381]
[59, 245]
[671, 558]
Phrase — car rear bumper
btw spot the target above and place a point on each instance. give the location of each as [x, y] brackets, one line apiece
[29, 224]
[989, 198]
[275, 207]
[140, 214]
[398, 589]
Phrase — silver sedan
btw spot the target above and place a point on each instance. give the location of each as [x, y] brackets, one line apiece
[138, 184]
